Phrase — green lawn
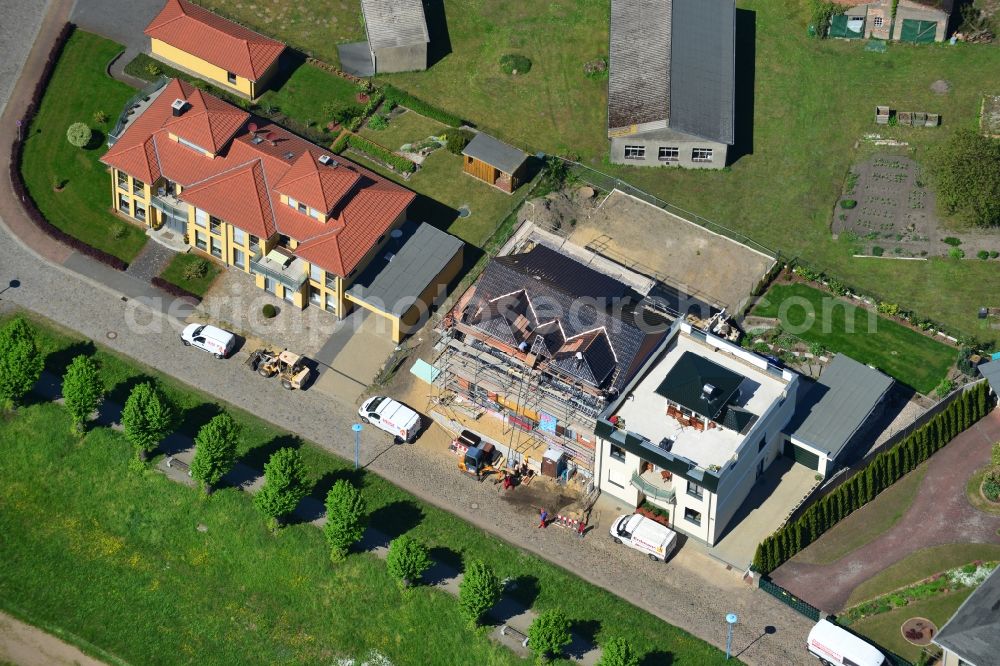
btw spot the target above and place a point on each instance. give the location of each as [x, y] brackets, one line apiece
[79, 88]
[114, 557]
[306, 91]
[408, 127]
[884, 628]
[815, 316]
[867, 523]
[174, 273]
[919, 565]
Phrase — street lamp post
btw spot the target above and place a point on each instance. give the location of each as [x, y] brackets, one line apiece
[731, 622]
[357, 443]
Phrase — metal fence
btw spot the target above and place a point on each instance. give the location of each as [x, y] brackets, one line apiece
[789, 599]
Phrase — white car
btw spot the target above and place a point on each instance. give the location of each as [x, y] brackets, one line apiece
[394, 417]
[208, 338]
[645, 535]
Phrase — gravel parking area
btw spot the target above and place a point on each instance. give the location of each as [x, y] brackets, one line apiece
[17, 33]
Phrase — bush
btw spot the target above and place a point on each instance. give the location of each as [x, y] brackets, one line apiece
[479, 591]
[951, 240]
[995, 454]
[268, 311]
[82, 391]
[100, 117]
[146, 418]
[407, 560]
[401, 98]
[822, 12]
[549, 634]
[378, 122]
[153, 69]
[596, 68]
[340, 144]
[956, 253]
[848, 204]
[512, 63]
[994, 254]
[877, 251]
[79, 134]
[118, 230]
[889, 309]
[215, 450]
[458, 139]
[285, 484]
[195, 270]
[618, 652]
[967, 170]
[945, 387]
[175, 290]
[340, 113]
[21, 363]
[983, 254]
[346, 515]
[991, 484]
[381, 154]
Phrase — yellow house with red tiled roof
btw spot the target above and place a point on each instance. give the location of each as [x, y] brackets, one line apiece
[218, 50]
[304, 222]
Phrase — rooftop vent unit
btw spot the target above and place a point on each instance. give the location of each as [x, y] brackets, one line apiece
[707, 390]
[256, 139]
[289, 155]
[327, 160]
[178, 106]
[579, 359]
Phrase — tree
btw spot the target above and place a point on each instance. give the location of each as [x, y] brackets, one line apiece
[285, 484]
[82, 391]
[479, 590]
[146, 418]
[967, 171]
[549, 634]
[21, 363]
[79, 134]
[346, 516]
[618, 652]
[407, 560]
[215, 450]
[458, 139]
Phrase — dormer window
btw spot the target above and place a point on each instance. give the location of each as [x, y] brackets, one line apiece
[303, 208]
[194, 146]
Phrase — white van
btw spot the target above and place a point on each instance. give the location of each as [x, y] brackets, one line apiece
[643, 534]
[394, 417]
[839, 647]
[214, 340]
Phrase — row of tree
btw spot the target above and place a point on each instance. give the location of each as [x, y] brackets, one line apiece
[884, 470]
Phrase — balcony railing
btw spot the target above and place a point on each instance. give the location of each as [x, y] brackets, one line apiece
[170, 206]
[653, 491]
[130, 106]
[288, 270]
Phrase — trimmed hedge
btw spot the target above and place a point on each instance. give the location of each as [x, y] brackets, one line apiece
[884, 470]
[381, 153]
[17, 152]
[402, 98]
[341, 143]
[175, 290]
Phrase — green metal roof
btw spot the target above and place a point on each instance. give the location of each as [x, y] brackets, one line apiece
[687, 381]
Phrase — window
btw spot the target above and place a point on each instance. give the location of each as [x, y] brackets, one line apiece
[669, 154]
[123, 180]
[216, 248]
[878, 21]
[254, 244]
[316, 214]
[138, 187]
[270, 285]
[193, 146]
[239, 258]
[331, 280]
[618, 453]
[215, 224]
[239, 236]
[694, 490]
[200, 218]
[124, 203]
[331, 306]
[692, 516]
[316, 273]
[761, 443]
[140, 212]
[315, 295]
[303, 208]
[199, 241]
[635, 152]
[701, 154]
[230, 77]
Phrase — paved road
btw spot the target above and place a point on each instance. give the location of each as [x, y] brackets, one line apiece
[940, 515]
[692, 592]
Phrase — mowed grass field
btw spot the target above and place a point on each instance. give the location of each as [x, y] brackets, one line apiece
[78, 89]
[840, 326]
[114, 555]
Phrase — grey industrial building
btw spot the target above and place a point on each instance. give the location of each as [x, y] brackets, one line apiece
[671, 84]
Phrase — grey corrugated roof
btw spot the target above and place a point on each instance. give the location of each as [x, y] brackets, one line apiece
[392, 23]
[494, 152]
[838, 404]
[991, 371]
[424, 254]
[973, 632]
[673, 61]
[703, 68]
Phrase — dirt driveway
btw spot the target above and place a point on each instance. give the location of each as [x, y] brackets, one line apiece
[940, 514]
[25, 645]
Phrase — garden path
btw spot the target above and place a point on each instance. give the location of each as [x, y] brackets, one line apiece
[940, 515]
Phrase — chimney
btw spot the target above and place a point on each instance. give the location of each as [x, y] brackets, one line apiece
[178, 107]
[707, 390]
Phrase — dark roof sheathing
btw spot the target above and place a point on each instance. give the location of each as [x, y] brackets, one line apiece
[685, 383]
[673, 61]
[391, 23]
[496, 153]
[838, 404]
[553, 294]
[973, 632]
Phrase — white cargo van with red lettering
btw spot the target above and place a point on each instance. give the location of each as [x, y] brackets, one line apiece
[394, 417]
[643, 534]
[838, 647]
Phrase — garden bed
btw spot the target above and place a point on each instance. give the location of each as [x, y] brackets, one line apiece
[191, 273]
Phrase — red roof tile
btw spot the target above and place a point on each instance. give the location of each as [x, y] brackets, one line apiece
[209, 123]
[240, 194]
[319, 186]
[201, 33]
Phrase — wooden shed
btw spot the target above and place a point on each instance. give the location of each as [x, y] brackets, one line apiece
[495, 162]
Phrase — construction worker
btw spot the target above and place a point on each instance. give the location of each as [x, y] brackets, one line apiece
[543, 516]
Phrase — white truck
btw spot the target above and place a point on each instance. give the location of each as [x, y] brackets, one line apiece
[645, 535]
[834, 646]
[394, 417]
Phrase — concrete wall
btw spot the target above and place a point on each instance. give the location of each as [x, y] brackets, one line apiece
[400, 59]
[653, 146]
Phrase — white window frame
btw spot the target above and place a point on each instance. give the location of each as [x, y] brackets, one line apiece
[125, 203]
[707, 154]
[239, 236]
[200, 240]
[122, 176]
[693, 521]
[616, 452]
[239, 263]
[694, 490]
[633, 152]
[315, 273]
[200, 218]
[660, 154]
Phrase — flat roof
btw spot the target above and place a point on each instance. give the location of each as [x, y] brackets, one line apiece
[644, 410]
[423, 253]
[700, 384]
[494, 152]
[838, 404]
[391, 23]
[972, 633]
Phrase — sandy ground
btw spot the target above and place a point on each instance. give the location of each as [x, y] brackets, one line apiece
[25, 645]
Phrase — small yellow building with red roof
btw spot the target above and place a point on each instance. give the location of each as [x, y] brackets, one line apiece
[306, 223]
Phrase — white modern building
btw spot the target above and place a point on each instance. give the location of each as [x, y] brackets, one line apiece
[694, 430]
